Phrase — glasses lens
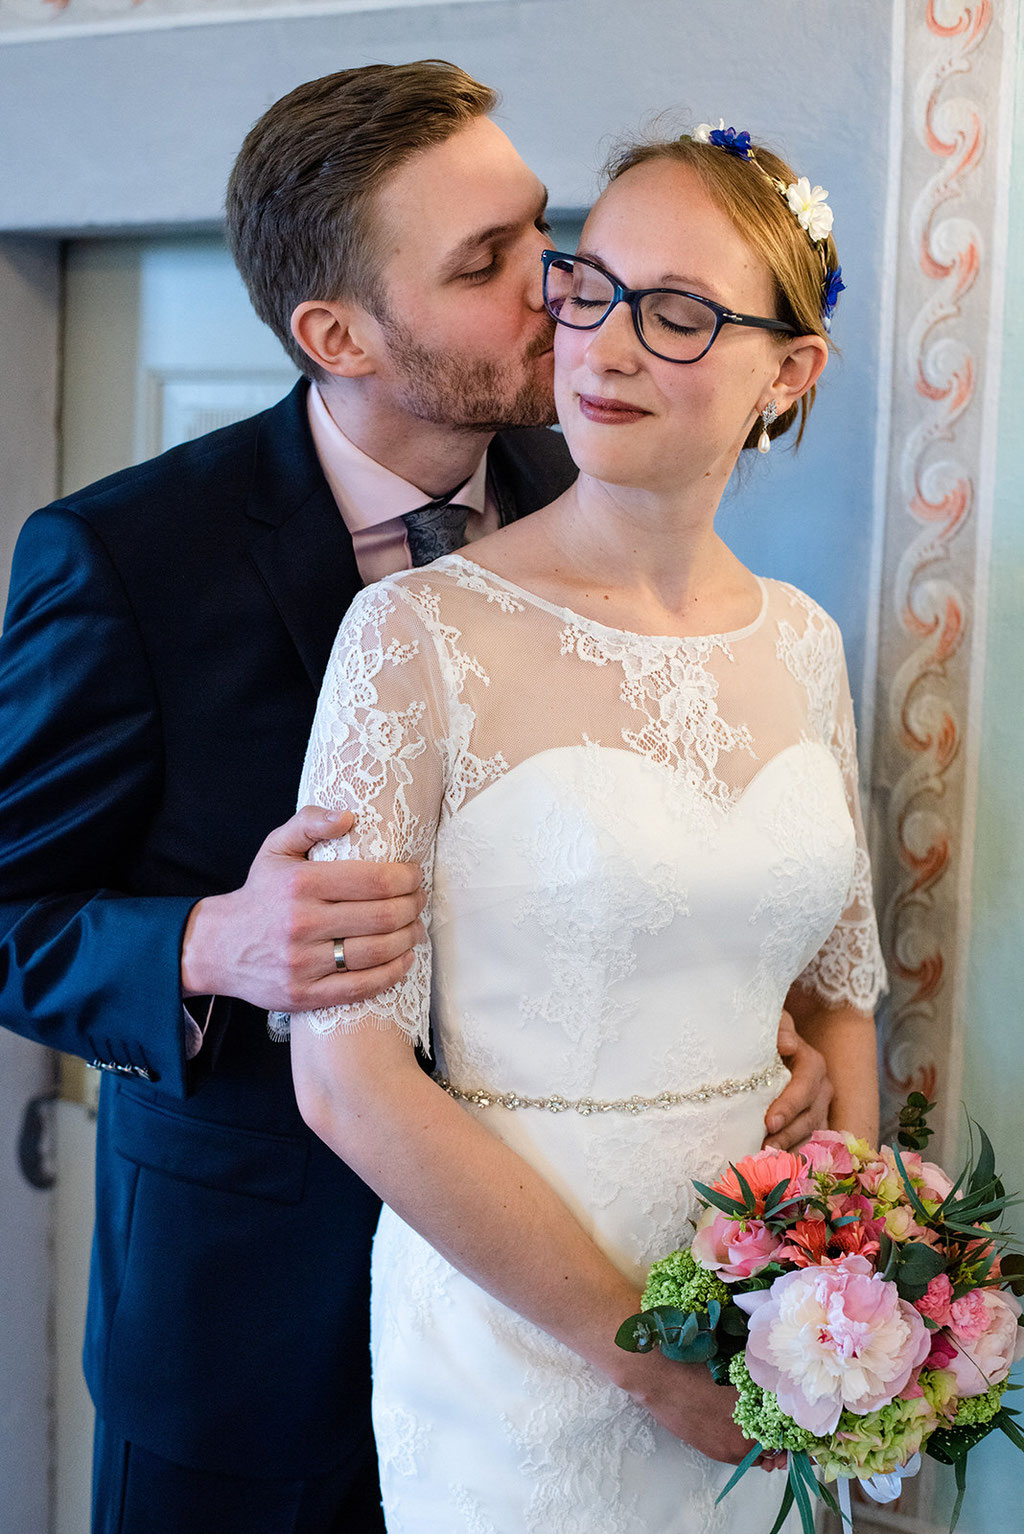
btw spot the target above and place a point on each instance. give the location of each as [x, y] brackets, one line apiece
[676, 326]
[577, 294]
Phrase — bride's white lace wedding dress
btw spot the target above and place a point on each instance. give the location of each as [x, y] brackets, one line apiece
[634, 846]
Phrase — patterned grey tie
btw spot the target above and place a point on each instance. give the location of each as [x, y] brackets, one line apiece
[437, 528]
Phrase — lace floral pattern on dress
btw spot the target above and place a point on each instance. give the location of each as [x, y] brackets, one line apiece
[632, 846]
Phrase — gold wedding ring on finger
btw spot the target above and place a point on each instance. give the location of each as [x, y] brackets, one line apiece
[339, 954]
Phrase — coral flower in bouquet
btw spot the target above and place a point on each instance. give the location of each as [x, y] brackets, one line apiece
[862, 1304]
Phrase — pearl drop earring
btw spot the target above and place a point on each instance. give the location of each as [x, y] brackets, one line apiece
[768, 415]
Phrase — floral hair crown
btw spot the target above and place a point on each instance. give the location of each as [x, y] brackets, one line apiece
[807, 204]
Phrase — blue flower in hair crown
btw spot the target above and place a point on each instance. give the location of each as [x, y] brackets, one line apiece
[807, 203]
[725, 138]
[834, 285]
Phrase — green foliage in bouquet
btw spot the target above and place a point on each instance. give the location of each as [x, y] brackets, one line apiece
[914, 1132]
[936, 1250]
[689, 1314]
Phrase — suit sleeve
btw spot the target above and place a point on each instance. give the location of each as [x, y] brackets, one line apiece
[87, 965]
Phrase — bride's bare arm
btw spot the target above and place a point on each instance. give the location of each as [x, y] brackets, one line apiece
[847, 1040]
[492, 1216]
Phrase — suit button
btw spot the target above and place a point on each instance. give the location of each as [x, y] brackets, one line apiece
[121, 1069]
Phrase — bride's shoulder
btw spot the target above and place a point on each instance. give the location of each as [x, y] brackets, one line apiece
[796, 607]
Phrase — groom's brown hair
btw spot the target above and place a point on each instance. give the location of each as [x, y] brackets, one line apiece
[301, 196]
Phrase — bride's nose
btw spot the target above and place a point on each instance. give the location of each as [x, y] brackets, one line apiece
[614, 346]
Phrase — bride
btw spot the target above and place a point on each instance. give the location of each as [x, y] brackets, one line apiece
[627, 766]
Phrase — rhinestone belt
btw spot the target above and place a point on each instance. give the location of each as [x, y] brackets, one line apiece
[587, 1105]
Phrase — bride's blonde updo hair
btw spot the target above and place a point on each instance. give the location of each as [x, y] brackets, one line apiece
[745, 189]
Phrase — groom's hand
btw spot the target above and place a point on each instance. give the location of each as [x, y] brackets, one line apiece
[802, 1106]
[272, 941]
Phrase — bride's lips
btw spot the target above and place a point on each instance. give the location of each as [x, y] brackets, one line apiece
[609, 412]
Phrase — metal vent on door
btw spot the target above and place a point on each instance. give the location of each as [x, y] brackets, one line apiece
[180, 407]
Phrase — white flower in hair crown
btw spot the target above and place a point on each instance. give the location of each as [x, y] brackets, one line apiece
[809, 205]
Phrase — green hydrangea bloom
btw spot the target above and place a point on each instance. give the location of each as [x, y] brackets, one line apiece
[877, 1442]
[679, 1280]
[759, 1415]
[861, 1446]
[975, 1410]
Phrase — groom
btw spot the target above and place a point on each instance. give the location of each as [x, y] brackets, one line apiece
[166, 634]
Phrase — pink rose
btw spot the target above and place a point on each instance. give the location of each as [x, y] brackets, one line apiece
[934, 1303]
[901, 1225]
[825, 1339]
[828, 1154]
[733, 1249]
[968, 1316]
[934, 1182]
[872, 1176]
[988, 1359]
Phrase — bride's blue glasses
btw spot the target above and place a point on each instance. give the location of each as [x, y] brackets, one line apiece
[673, 325]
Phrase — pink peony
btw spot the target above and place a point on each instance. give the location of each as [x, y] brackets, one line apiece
[986, 1360]
[762, 1172]
[825, 1339]
[733, 1249]
[934, 1303]
[968, 1316]
[828, 1153]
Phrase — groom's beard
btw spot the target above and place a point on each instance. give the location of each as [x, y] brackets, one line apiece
[449, 389]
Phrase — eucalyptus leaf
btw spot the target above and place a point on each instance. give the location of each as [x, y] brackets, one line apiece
[701, 1349]
[668, 1318]
[719, 1367]
[920, 1263]
[960, 1476]
[740, 1471]
[985, 1166]
[806, 1471]
[783, 1514]
[636, 1335]
[735, 1321]
[802, 1500]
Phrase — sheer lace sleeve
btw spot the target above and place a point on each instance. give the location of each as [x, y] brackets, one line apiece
[378, 749]
[848, 968]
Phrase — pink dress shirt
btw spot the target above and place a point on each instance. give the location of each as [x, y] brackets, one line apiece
[372, 500]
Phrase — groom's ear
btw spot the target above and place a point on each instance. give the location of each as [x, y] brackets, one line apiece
[341, 338]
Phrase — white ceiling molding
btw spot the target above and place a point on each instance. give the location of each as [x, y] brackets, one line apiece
[33, 21]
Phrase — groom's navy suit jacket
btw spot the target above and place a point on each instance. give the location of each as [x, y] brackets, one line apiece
[165, 639]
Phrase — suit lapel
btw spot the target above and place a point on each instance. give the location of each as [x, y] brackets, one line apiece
[302, 550]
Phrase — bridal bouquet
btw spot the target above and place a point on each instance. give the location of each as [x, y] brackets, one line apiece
[860, 1302]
